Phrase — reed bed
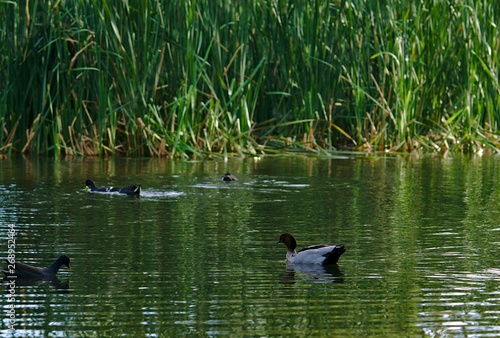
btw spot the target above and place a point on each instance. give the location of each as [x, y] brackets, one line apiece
[200, 78]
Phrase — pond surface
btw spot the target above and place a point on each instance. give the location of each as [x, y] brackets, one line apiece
[198, 256]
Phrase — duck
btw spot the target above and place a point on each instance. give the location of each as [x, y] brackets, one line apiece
[229, 177]
[315, 254]
[28, 271]
[134, 189]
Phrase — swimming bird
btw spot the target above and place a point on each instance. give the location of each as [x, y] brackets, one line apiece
[316, 254]
[229, 177]
[28, 271]
[134, 189]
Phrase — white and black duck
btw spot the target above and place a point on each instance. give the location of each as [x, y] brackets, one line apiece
[315, 254]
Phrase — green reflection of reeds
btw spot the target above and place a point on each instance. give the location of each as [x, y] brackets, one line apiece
[184, 78]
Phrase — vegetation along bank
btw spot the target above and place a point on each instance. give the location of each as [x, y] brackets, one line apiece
[202, 77]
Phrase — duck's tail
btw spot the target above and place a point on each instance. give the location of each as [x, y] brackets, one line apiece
[333, 256]
[134, 189]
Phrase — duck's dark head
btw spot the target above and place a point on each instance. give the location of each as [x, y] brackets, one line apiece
[288, 240]
[64, 260]
[89, 183]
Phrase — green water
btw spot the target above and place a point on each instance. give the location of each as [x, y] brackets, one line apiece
[198, 256]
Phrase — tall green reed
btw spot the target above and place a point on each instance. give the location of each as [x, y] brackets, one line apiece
[200, 78]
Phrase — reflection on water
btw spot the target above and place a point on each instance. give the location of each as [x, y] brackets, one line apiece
[55, 282]
[197, 256]
[311, 273]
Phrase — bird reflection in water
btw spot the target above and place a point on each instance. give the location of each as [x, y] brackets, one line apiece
[313, 273]
[60, 286]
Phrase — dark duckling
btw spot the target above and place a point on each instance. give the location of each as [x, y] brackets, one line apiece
[229, 177]
[28, 271]
[134, 189]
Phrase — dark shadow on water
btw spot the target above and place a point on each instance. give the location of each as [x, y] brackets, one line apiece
[313, 273]
[60, 286]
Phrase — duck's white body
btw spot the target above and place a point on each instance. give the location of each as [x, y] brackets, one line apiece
[316, 254]
[310, 255]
